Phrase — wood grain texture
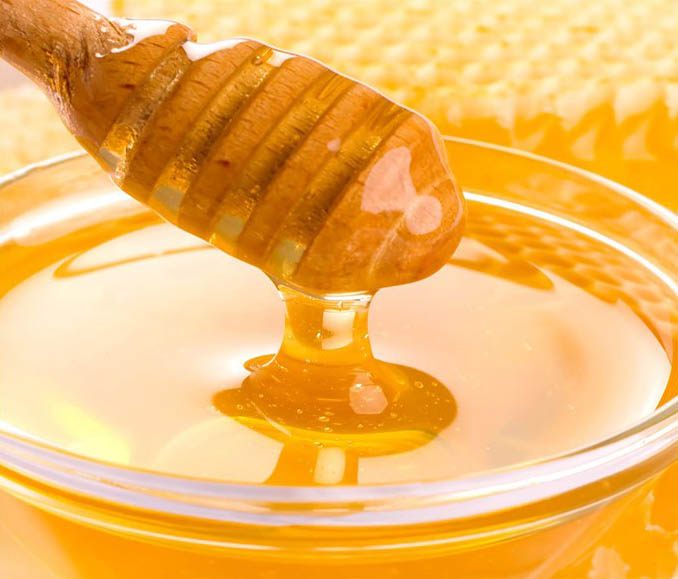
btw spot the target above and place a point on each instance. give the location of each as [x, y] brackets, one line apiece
[320, 181]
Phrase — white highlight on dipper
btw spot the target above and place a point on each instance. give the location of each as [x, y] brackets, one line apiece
[140, 30]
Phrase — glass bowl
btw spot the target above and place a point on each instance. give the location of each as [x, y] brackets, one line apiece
[604, 509]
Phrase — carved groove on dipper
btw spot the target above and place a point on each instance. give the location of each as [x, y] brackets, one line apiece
[284, 137]
[180, 173]
[146, 100]
[307, 217]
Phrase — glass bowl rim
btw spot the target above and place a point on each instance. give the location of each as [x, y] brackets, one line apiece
[383, 505]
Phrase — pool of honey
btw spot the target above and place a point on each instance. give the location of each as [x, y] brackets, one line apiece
[117, 331]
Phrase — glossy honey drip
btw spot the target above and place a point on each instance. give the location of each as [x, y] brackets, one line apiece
[324, 394]
[328, 400]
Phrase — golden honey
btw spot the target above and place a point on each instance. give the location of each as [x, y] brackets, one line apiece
[135, 345]
[136, 322]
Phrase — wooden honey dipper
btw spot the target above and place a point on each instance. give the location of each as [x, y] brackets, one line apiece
[320, 181]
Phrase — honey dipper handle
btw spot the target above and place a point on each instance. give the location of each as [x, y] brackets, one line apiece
[320, 181]
[51, 40]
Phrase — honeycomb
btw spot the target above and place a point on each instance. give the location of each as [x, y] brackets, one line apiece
[31, 130]
[594, 84]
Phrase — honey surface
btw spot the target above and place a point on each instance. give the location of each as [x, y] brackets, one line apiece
[535, 338]
[127, 333]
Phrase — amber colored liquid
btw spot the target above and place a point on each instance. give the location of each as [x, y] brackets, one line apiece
[147, 348]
